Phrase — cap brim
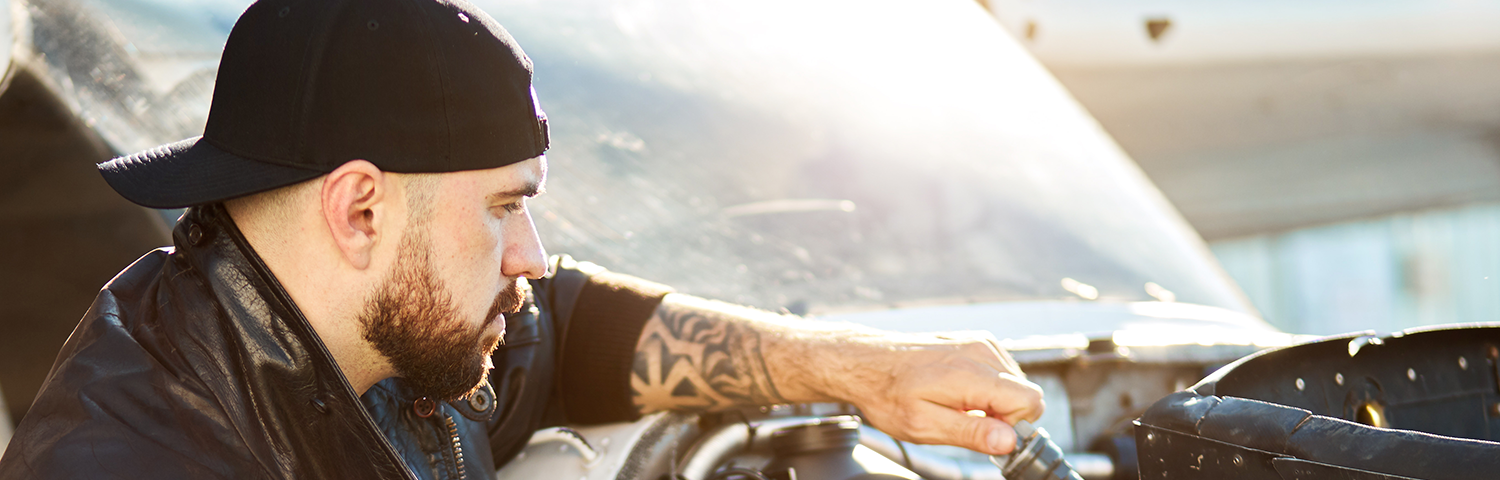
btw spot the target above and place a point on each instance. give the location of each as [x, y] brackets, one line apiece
[193, 172]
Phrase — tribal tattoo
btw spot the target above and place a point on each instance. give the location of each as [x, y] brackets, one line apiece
[692, 358]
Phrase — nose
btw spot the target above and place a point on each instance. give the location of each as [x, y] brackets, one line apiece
[524, 255]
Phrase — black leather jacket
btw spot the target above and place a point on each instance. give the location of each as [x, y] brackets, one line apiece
[194, 363]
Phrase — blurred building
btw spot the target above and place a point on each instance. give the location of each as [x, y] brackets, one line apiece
[1342, 158]
[1388, 273]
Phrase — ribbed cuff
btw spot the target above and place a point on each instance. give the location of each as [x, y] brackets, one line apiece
[599, 350]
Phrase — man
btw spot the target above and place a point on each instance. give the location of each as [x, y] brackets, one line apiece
[357, 247]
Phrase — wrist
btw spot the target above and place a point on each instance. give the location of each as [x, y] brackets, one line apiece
[827, 366]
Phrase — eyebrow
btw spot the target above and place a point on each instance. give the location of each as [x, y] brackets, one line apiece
[531, 189]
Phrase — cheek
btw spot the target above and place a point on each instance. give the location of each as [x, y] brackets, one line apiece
[475, 264]
[483, 256]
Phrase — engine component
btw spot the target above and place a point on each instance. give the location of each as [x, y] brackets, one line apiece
[567, 436]
[820, 450]
[823, 448]
[1036, 457]
[1414, 404]
[938, 462]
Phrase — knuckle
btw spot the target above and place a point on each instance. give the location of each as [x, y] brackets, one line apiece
[973, 432]
[1029, 390]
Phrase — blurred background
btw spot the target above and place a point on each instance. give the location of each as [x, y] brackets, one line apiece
[1341, 158]
[1087, 166]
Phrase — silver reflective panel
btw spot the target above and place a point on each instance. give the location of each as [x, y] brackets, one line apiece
[833, 155]
[819, 156]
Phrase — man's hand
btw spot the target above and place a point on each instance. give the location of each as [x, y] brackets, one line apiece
[698, 355]
[928, 388]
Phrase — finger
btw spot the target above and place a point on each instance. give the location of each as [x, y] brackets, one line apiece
[952, 427]
[1006, 359]
[1015, 400]
[1001, 395]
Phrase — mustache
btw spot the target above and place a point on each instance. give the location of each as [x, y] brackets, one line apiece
[511, 298]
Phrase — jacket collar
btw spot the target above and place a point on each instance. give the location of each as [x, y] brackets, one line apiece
[290, 387]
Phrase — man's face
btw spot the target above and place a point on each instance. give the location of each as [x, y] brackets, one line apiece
[468, 242]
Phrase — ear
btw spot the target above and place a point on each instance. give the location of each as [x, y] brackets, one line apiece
[353, 198]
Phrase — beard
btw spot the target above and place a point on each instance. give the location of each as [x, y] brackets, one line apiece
[411, 319]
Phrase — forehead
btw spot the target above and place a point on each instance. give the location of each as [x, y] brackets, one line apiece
[521, 179]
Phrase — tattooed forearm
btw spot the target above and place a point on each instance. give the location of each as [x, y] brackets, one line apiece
[698, 358]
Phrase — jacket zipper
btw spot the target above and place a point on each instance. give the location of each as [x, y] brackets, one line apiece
[458, 446]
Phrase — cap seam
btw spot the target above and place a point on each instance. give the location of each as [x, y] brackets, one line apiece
[442, 75]
[311, 63]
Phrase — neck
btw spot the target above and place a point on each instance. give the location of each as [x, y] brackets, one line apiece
[317, 291]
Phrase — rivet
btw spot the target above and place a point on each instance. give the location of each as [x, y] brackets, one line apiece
[480, 401]
[1492, 352]
[195, 234]
[284, 12]
[372, 24]
[1238, 461]
[1338, 378]
[1301, 385]
[1463, 363]
[1411, 374]
[1495, 409]
[320, 405]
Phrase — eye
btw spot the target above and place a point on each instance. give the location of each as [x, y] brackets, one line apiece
[513, 207]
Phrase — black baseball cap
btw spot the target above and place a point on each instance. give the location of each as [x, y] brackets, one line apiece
[412, 86]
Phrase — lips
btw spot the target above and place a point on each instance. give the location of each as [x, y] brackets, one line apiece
[497, 323]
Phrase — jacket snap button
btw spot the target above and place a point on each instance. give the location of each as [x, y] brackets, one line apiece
[320, 405]
[424, 407]
[195, 234]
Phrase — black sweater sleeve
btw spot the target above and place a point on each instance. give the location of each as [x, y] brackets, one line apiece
[599, 337]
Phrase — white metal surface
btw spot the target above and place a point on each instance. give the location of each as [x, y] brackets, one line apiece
[1262, 116]
[1101, 32]
[1015, 320]
[545, 458]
